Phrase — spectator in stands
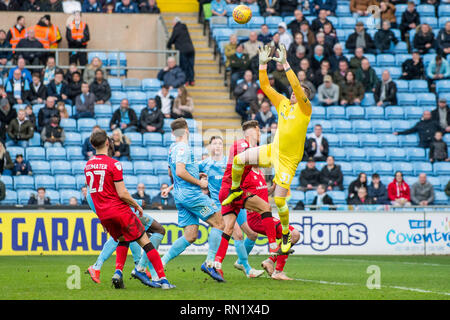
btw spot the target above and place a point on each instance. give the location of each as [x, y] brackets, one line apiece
[87, 149]
[84, 103]
[264, 35]
[367, 76]
[47, 112]
[292, 50]
[424, 39]
[268, 7]
[308, 36]
[239, 63]
[323, 71]
[310, 176]
[285, 37]
[230, 49]
[336, 57]
[140, 193]
[385, 39]
[377, 190]
[318, 23]
[286, 7]
[30, 115]
[77, 35]
[30, 42]
[100, 88]
[317, 145]
[339, 75]
[40, 199]
[83, 196]
[422, 192]
[5, 56]
[438, 69]
[245, 93]
[447, 189]
[109, 7]
[322, 198]
[219, 8]
[62, 111]
[149, 6]
[11, 5]
[328, 92]
[21, 166]
[20, 130]
[73, 201]
[2, 191]
[16, 32]
[58, 89]
[330, 36]
[121, 146]
[127, 6]
[7, 114]
[331, 175]
[151, 118]
[183, 105]
[252, 45]
[355, 61]
[280, 75]
[124, 118]
[17, 89]
[26, 74]
[74, 86]
[182, 40]
[91, 69]
[361, 198]
[164, 101]
[302, 78]
[387, 13]
[275, 43]
[410, 19]
[426, 128]
[265, 117]
[306, 67]
[91, 6]
[6, 163]
[48, 74]
[294, 25]
[399, 192]
[351, 91]
[442, 115]
[360, 181]
[328, 5]
[164, 199]
[278, 86]
[317, 57]
[53, 6]
[385, 93]
[443, 40]
[172, 75]
[413, 69]
[359, 7]
[53, 134]
[360, 39]
[438, 149]
[38, 92]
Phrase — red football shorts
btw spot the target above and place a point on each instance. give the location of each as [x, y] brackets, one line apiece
[254, 221]
[237, 204]
[127, 225]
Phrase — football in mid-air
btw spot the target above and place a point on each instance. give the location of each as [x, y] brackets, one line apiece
[242, 14]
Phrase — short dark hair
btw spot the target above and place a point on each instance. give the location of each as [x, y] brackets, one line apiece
[19, 17]
[99, 70]
[250, 124]
[375, 176]
[41, 188]
[177, 125]
[166, 87]
[214, 138]
[36, 74]
[98, 138]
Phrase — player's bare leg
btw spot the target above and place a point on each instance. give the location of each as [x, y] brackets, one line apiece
[278, 273]
[218, 225]
[242, 262]
[229, 221]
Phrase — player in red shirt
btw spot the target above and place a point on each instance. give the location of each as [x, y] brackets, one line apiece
[255, 183]
[248, 200]
[112, 201]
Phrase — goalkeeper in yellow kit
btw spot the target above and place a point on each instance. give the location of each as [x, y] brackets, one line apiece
[286, 151]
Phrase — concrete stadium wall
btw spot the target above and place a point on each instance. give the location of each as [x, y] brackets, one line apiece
[108, 31]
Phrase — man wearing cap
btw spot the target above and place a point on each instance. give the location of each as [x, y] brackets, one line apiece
[442, 115]
[285, 38]
[360, 39]
[328, 92]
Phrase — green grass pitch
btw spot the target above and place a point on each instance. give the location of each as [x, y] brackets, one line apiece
[317, 277]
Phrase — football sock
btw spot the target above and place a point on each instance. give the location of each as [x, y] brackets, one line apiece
[108, 248]
[273, 259]
[269, 227]
[176, 249]
[283, 212]
[249, 244]
[121, 255]
[136, 251]
[223, 247]
[155, 259]
[215, 236]
[281, 262]
[242, 254]
[155, 239]
[236, 172]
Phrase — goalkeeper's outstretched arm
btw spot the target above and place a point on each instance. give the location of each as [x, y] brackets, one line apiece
[270, 92]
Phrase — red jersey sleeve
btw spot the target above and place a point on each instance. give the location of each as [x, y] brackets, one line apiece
[117, 172]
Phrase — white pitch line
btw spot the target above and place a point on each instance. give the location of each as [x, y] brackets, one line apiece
[390, 261]
[355, 284]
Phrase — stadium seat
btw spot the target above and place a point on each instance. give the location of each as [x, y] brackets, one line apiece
[381, 126]
[296, 196]
[441, 168]
[152, 139]
[442, 21]
[385, 60]
[273, 21]
[424, 99]
[143, 167]
[355, 154]
[333, 140]
[432, 21]
[222, 34]
[395, 154]
[326, 125]
[8, 181]
[72, 139]
[335, 112]
[160, 167]
[425, 10]
[416, 86]
[150, 181]
[138, 108]
[136, 97]
[415, 154]
[393, 112]
[368, 140]
[55, 153]
[168, 139]
[13, 151]
[24, 195]
[115, 84]
[413, 112]
[127, 167]
[440, 198]
[68, 124]
[359, 167]
[33, 153]
[131, 84]
[131, 181]
[318, 112]
[135, 138]
[343, 10]
[354, 112]
[65, 182]
[400, 125]
[62, 167]
[255, 22]
[410, 140]
[435, 182]
[442, 86]
[151, 84]
[382, 168]
[157, 153]
[444, 181]
[23, 182]
[376, 154]
[422, 167]
[338, 154]
[66, 194]
[104, 123]
[346, 167]
[337, 196]
[361, 126]
[309, 196]
[81, 181]
[405, 167]
[101, 55]
[102, 111]
[45, 181]
[342, 126]
[373, 113]
[86, 124]
[10, 198]
[406, 99]
[401, 47]
[117, 96]
[35, 141]
[77, 167]
[347, 22]
[348, 140]
[388, 140]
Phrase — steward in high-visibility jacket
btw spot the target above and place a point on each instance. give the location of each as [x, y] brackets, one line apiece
[54, 30]
[16, 35]
[77, 34]
[44, 34]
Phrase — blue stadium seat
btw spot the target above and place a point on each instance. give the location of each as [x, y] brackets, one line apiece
[53, 195]
[135, 138]
[441, 168]
[338, 153]
[401, 47]
[372, 58]
[40, 166]
[115, 84]
[81, 181]
[157, 153]
[425, 10]
[131, 84]
[410, 140]
[405, 167]
[86, 124]
[160, 167]
[376, 154]
[143, 167]
[445, 95]
[382, 168]
[104, 123]
[102, 111]
[10, 198]
[164, 179]
[342, 126]
[347, 22]
[442, 21]
[152, 139]
[62, 167]
[8, 181]
[400, 58]
[24, 195]
[74, 153]
[309, 196]
[373, 113]
[127, 167]
[138, 108]
[444, 181]
[385, 60]
[361, 126]
[318, 112]
[368, 100]
[368, 140]
[72, 139]
[354, 112]
[66, 194]
[393, 112]
[77, 167]
[395, 154]
[117, 96]
[55, 153]
[288, 19]
[33, 153]
[426, 99]
[355, 154]
[440, 198]
[150, 181]
[348, 140]
[444, 10]
[443, 86]
[348, 179]
[255, 22]
[136, 97]
[35, 141]
[151, 84]
[222, 34]
[435, 182]
[168, 139]
[413, 112]
[338, 197]
[166, 126]
[416, 86]
[400, 125]
[326, 125]
[13, 151]
[381, 126]
[416, 154]
[131, 181]
[333, 140]
[432, 21]
[65, 182]
[343, 11]
[296, 196]
[101, 55]
[395, 72]
[68, 124]
[388, 140]
[192, 124]
[273, 21]
[138, 153]
[359, 167]
[422, 167]
[23, 182]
